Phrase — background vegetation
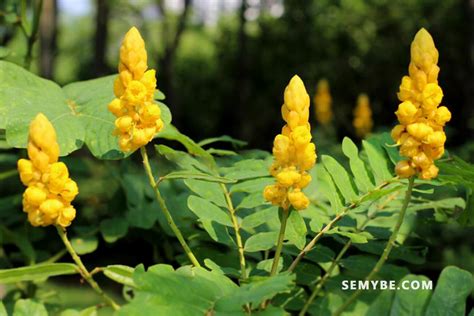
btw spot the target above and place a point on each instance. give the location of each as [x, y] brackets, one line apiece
[224, 74]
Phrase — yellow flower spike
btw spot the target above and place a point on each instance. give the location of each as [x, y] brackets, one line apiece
[293, 151]
[323, 102]
[363, 116]
[49, 189]
[420, 132]
[138, 117]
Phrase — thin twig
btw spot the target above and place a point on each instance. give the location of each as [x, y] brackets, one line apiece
[386, 252]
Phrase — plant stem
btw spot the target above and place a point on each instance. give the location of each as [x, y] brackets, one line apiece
[344, 249]
[238, 238]
[281, 237]
[326, 276]
[386, 251]
[165, 210]
[313, 242]
[329, 225]
[83, 270]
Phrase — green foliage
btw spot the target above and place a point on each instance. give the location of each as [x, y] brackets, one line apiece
[36, 272]
[160, 291]
[78, 111]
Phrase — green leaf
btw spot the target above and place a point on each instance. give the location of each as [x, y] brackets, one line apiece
[256, 291]
[410, 302]
[449, 297]
[20, 240]
[171, 133]
[296, 230]
[120, 274]
[182, 292]
[266, 265]
[23, 95]
[205, 210]
[340, 177]
[252, 201]
[113, 229]
[197, 176]
[159, 95]
[259, 218]
[29, 308]
[180, 158]
[90, 100]
[329, 190]
[90, 311]
[361, 177]
[381, 305]
[217, 232]
[84, 245]
[356, 238]
[208, 190]
[3, 311]
[223, 138]
[377, 161]
[251, 186]
[247, 169]
[261, 241]
[36, 272]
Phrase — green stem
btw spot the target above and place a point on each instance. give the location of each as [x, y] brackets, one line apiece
[83, 270]
[31, 32]
[326, 276]
[344, 249]
[165, 210]
[386, 251]
[7, 174]
[316, 238]
[238, 237]
[329, 225]
[281, 237]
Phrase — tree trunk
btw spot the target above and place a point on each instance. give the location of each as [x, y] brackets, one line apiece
[167, 60]
[101, 36]
[48, 37]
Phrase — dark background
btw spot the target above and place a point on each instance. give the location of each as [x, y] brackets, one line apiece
[224, 64]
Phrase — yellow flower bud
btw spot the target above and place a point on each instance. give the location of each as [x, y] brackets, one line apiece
[419, 130]
[406, 112]
[49, 188]
[442, 115]
[124, 123]
[436, 139]
[288, 178]
[293, 151]
[51, 208]
[35, 196]
[323, 103]
[66, 216]
[133, 54]
[397, 132]
[138, 117]
[419, 114]
[404, 170]
[298, 199]
[429, 173]
[432, 96]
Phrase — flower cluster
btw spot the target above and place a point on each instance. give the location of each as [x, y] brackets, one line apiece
[420, 133]
[50, 191]
[323, 102]
[138, 117]
[362, 116]
[293, 151]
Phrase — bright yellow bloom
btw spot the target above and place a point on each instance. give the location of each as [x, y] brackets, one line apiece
[293, 151]
[323, 102]
[138, 116]
[420, 133]
[50, 191]
[362, 116]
